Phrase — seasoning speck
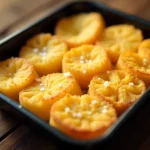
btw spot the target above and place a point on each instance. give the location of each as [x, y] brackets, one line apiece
[67, 109]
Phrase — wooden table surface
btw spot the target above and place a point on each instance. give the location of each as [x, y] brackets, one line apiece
[16, 136]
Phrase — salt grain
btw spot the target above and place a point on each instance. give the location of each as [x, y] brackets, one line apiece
[41, 84]
[105, 106]
[60, 85]
[94, 102]
[19, 106]
[43, 54]
[35, 50]
[81, 57]
[42, 89]
[144, 61]
[131, 83]
[104, 110]
[67, 74]
[106, 84]
[67, 109]
[84, 71]
[79, 114]
[81, 61]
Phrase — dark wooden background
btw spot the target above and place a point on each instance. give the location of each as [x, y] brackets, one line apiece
[16, 14]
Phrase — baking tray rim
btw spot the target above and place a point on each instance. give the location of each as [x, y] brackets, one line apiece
[61, 136]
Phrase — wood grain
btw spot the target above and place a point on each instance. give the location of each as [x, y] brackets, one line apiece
[139, 8]
[23, 139]
[17, 14]
[21, 13]
[14, 139]
[7, 124]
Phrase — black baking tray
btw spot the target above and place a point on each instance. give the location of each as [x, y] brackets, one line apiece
[11, 45]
